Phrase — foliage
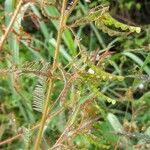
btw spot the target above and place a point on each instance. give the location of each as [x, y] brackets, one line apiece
[73, 76]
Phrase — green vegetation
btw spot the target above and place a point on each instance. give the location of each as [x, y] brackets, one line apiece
[74, 76]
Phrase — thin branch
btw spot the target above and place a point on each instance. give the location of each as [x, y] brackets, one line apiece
[50, 116]
[61, 27]
[11, 139]
[4, 72]
[10, 26]
[50, 83]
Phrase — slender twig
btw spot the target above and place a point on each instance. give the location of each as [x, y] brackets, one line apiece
[81, 128]
[84, 125]
[16, 136]
[69, 124]
[4, 72]
[10, 139]
[10, 26]
[50, 83]
[50, 116]
[66, 130]
[61, 27]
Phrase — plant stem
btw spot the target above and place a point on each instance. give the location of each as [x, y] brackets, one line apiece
[43, 120]
[50, 83]
[10, 26]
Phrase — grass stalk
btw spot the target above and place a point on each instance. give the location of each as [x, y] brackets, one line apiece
[50, 83]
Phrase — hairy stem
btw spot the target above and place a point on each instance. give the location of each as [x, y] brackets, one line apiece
[50, 83]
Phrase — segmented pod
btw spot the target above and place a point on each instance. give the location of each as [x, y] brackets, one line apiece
[108, 20]
[104, 21]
